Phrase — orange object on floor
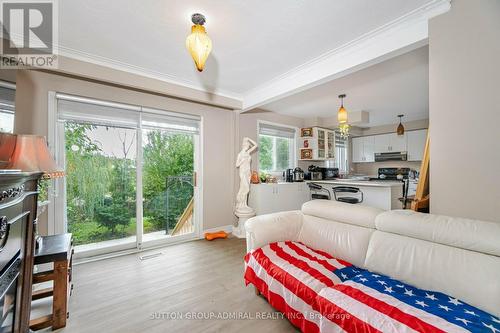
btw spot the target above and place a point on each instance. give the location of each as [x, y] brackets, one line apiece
[214, 235]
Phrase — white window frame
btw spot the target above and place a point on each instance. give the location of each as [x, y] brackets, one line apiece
[57, 206]
[294, 147]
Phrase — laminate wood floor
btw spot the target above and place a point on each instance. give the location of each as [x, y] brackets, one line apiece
[128, 295]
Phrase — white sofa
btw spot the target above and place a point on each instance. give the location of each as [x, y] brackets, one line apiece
[456, 256]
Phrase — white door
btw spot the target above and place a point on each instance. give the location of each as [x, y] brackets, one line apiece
[357, 150]
[416, 144]
[397, 142]
[369, 148]
[382, 143]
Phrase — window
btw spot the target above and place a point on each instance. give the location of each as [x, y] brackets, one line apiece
[7, 106]
[341, 154]
[276, 147]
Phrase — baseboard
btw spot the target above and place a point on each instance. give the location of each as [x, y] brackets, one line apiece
[227, 228]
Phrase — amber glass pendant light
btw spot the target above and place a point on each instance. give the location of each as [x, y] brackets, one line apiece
[342, 118]
[198, 43]
[401, 129]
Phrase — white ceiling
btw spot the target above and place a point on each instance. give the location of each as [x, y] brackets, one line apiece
[396, 86]
[253, 41]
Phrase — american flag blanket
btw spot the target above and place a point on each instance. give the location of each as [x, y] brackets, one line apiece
[290, 275]
[319, 293]
[369, 302]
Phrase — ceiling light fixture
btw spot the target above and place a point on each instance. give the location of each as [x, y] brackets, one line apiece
[198, 43]
[401, 128]
[342, 118]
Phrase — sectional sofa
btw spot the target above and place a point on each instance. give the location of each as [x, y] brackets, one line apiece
[336, 267]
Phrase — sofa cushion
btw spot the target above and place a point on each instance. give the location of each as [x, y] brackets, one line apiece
[342, 212]
[290, 275]
[376, 303]
[345, 241]
[468, 275]
[463, 233]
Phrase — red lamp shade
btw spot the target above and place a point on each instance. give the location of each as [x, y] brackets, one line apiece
[27, 153]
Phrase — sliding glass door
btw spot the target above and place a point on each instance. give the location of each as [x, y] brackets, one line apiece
[168, 178]
[100, 183]
[130, 175]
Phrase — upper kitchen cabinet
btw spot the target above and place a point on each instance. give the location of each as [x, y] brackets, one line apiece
[397, 142]
[317, 143]
[387, 143]
[416, 144]
[363, 149]
[382, 143]
[412, 142]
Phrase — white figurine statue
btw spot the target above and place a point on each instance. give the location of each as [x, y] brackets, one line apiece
[243, 161]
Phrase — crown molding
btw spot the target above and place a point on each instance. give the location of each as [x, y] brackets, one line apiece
[138, 70]
[399, 36]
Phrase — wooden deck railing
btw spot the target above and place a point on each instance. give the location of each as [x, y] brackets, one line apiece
[185, 224]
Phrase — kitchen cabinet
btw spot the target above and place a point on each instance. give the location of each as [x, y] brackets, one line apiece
[412, 142]
[357, 150]
[382, 143]
[397, 142]
[317, 144]
[416, 144]
[272, 198]
[369, 148]
[387, 143]
[363, 149]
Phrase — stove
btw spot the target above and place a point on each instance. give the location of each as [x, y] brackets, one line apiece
[391, 174]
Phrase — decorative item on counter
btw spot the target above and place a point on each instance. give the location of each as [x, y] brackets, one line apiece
[255, 177]
[242, 210]
[263, 177]
[306, 132]
[271, 179]
[306, 143]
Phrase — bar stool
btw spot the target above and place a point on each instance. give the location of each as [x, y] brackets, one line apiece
[348, 199]
[318, 188]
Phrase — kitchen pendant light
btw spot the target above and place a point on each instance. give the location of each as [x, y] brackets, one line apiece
[198, 43]
[342, 118]
[401, 129]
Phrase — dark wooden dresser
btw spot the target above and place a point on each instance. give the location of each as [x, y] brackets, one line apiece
[18, 204]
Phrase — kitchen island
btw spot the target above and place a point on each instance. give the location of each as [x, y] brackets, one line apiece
[381, 194]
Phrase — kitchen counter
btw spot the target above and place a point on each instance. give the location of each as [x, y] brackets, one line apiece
[354, 182]
[376, 193]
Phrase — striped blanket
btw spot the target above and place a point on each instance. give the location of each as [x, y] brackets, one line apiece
[319, 293]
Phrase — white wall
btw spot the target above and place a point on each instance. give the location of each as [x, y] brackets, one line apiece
[464, 68]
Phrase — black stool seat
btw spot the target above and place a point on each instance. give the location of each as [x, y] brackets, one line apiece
[348, 189]
[350, 200]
